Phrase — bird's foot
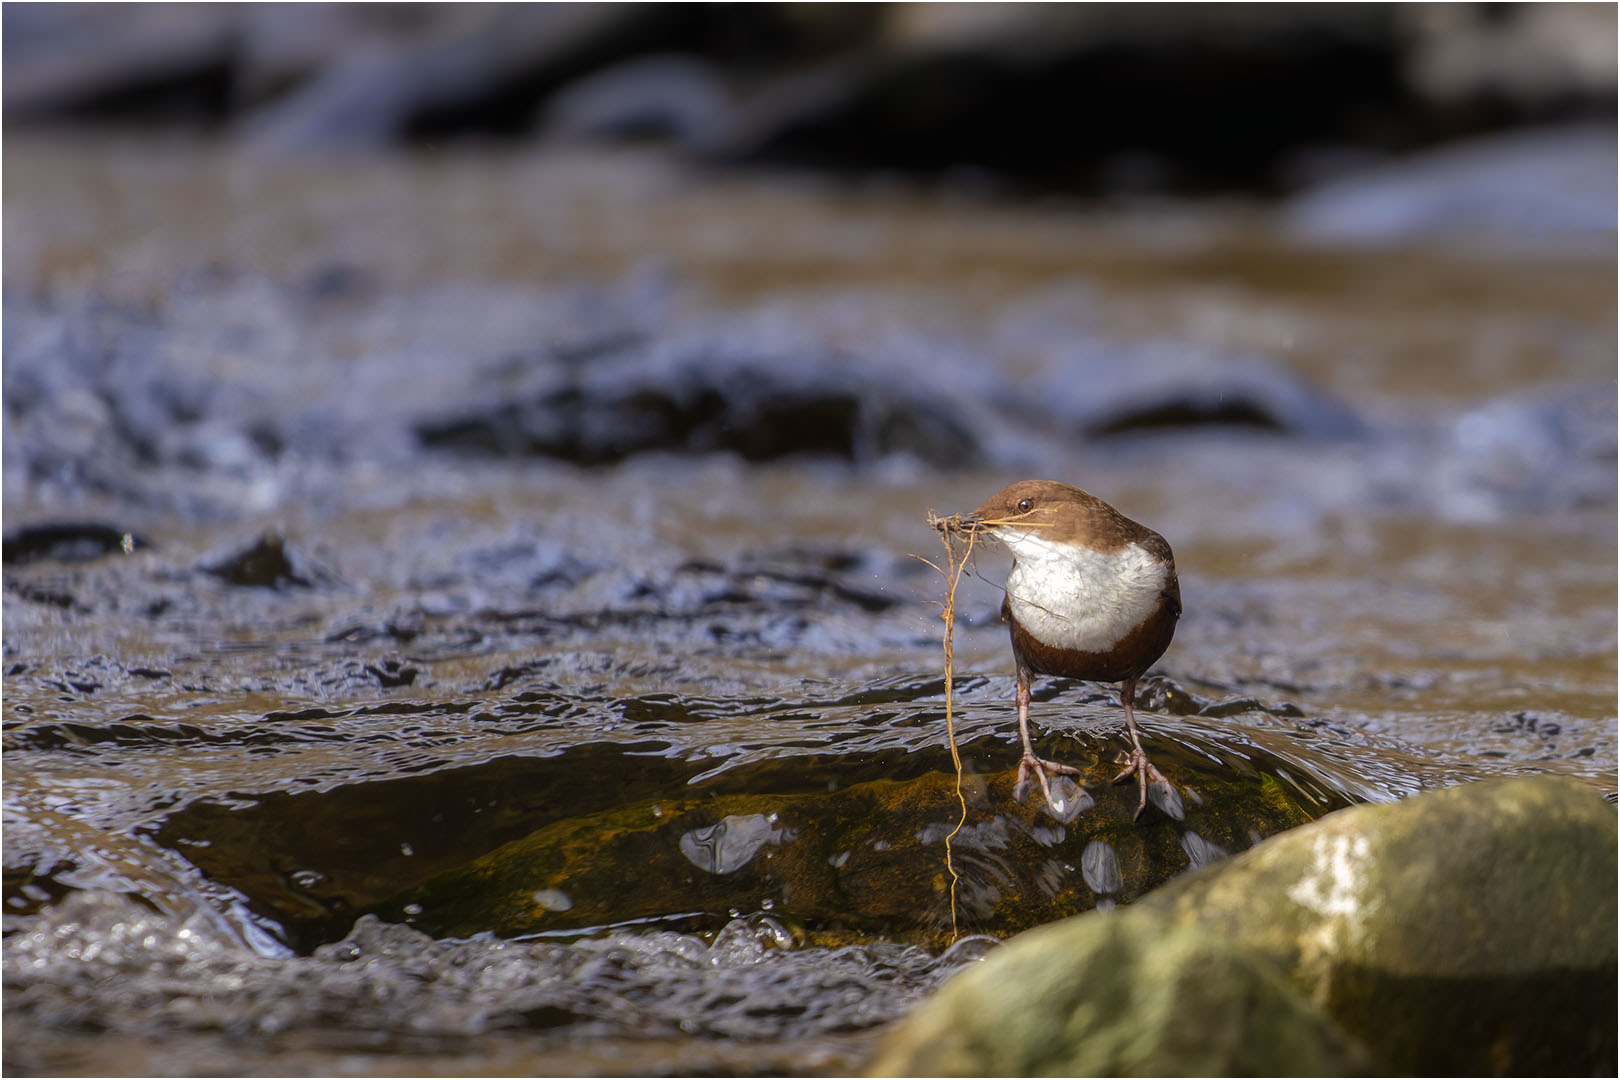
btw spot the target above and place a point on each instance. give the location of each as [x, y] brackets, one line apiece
[1165, 795]
[1039, 768]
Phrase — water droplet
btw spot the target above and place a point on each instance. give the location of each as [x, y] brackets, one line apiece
[406, 849]
[413, 909]
[553, 899]
[729, 844]
[1099, 865]
[1201, 852]
[1048, 835]
[1068, 799]
[1162, 793]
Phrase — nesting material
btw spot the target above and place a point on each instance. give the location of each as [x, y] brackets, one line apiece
[951, 529]
[959, 536]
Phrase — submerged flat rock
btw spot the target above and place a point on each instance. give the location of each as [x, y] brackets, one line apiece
[840, 860]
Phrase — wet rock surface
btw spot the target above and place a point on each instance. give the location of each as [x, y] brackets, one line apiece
[1404, 922]
[1471, 929]
[638, 814]
[846, 856]
[1128, 998]
[68, 542]
[760, 411]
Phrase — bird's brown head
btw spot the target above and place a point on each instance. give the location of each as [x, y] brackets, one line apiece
[1057, 512]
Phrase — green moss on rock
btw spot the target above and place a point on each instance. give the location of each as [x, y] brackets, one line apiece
[1132, 995]
[868, 858]
[1466, 931]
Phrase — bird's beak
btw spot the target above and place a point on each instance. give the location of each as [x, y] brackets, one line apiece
[958, 524]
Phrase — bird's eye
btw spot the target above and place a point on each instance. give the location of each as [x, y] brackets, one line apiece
[1025, 505]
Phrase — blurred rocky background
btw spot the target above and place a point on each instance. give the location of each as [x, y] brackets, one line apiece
[1094, 98]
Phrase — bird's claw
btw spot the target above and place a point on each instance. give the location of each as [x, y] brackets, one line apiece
[1137, 764]
[1040, 769]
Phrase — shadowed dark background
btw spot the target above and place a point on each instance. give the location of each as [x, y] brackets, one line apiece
[1089, 98]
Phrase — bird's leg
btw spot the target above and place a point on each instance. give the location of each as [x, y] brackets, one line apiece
[1030, 765]
[1137, 762]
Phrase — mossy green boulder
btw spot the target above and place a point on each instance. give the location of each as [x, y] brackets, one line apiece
[1119, 994]
[1466, 931]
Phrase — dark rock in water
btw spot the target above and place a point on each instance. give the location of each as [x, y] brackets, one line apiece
[761, 412]
[1256, 397]
[1108, 389]
[68, 542]
[270, 563]
[868, 858]
[1466, 931]
[631, 821]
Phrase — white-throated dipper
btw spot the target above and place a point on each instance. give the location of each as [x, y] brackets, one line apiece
[1092, 595]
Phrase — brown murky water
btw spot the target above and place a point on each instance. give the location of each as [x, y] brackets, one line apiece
[1414, 546]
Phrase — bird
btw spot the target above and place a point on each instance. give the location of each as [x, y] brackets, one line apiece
[1091, 595]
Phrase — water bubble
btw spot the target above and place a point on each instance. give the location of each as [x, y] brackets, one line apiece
[1201, 852]
[967, 950]
[553, 899]
[1068, 799]
[1048, 836]
[729, 844]
[1162, 793]
[1099, 865]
